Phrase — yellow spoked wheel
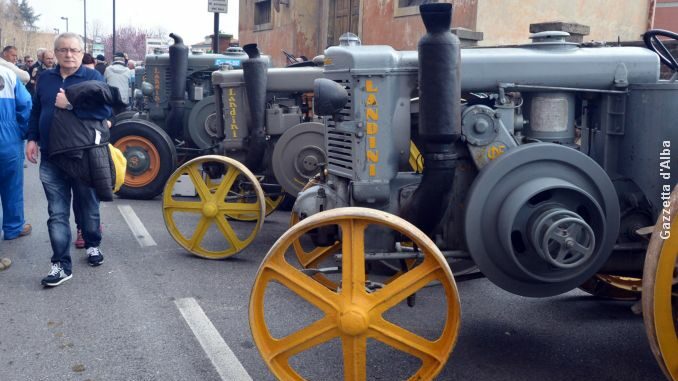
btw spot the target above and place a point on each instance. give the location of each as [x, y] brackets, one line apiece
[311, 256]
[353, 314]
[613, 287]
[660, 290]
[200, 224]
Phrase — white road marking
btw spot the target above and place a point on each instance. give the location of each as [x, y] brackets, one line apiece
[140, 233]
[222, 357]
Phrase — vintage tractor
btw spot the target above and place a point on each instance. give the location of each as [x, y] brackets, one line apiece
[545, 164]
[165, 125]
[264, 143]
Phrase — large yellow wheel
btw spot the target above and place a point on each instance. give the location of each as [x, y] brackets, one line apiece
[660, 290]
[613, 287]
[352, 313]
[200, 224]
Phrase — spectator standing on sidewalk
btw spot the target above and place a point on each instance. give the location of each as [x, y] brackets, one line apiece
[15, 109]
[101, 64]
[48, 62]
[32, 70]
[8, 59]
[117, 75]
[49, 95]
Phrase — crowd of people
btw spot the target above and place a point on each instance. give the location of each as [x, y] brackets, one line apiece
[37, 98]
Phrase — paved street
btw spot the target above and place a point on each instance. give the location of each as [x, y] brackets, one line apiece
[153, 311]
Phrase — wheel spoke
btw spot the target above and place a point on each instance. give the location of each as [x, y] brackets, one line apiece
[581, 249]
[317, 254]
[562, 253]
[355, 357]
[238, 207]
[229, 233]
[183, 206]
[405, 285]
[307, 288]
[226, 183]
[353, 259]
[406, 341]
[308, 337]
[270, 203]
[199, 233]
[198, 182]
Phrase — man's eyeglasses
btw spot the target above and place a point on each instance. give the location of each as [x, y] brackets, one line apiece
[66, 50]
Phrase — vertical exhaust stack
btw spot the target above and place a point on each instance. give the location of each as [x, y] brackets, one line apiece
[439, 117]
[178, 68]
[255, 74]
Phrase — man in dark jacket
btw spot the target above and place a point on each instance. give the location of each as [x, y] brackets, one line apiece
[49, 94]
[101, 64]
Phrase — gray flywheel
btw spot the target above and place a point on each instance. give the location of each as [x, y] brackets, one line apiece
[298, 156]
[202, 123]
[541, 219]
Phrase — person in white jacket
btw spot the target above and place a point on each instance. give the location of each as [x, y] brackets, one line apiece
[8, 60]
[118, 75]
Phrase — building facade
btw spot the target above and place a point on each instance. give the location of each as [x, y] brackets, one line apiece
[307, 27]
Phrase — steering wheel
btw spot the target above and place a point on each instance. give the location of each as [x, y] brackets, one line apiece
[656, 45]
[290, 57]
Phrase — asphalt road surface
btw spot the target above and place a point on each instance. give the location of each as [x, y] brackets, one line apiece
[153, 311]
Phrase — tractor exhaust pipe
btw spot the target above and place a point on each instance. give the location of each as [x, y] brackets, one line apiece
[439, 117]
[178, 68]
[255, 74]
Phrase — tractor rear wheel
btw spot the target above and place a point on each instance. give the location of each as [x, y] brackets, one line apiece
[151, 157]
[660, 290]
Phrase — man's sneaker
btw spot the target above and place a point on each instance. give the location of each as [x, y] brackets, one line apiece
[79, 241]
[94, 256]
[57, 275]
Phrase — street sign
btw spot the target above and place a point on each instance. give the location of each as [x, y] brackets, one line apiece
[217, 6]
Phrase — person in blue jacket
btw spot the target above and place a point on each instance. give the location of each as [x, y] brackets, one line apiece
[15, 108]
[49, 95]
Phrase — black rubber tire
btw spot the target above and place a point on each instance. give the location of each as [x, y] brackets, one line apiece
[129, 114]
[166, 151]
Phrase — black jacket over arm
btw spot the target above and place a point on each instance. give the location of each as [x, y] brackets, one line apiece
[80, 146]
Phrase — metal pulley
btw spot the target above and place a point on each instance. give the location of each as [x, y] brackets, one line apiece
[297, 156]
[541, 219]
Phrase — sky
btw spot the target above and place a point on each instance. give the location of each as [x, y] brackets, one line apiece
[187, 18]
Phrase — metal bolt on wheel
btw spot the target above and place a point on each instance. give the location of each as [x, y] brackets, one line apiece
[353, 315]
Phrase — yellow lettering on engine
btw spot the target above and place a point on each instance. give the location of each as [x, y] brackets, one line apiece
[233, 106]
[372, 127]
[495, 151]
[369, 87]
[372, 114]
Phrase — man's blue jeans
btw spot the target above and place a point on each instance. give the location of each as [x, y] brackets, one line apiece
[58, 186]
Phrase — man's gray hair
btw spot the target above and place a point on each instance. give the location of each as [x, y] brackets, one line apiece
[66, 35]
